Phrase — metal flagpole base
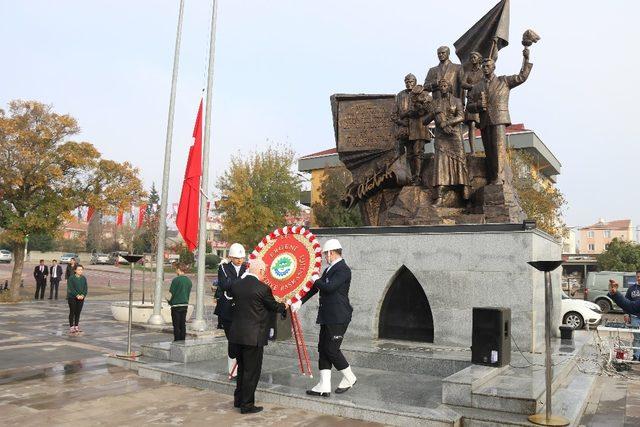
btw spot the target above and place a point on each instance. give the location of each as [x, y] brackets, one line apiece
[156, 319]
[553, 420]
[133, 355]
[199, 325]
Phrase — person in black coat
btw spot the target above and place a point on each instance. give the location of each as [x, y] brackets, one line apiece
[627, 305]
[71, 269]
[40, 273]
[228, 273]
[55, 274]
[253, 302]
[334, 315]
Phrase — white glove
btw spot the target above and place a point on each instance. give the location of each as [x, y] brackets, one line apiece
[296, 306]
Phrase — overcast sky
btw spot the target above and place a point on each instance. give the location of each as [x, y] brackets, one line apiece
[108, 63]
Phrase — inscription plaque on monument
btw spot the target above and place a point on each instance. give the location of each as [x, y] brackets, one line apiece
[364, 123]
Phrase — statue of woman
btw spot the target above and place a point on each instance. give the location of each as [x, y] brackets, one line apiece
[449, 163]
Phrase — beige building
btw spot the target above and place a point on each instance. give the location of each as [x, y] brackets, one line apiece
[595, 238]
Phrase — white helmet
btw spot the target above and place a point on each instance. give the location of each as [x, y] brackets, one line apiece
[331, 245]
[236, 251]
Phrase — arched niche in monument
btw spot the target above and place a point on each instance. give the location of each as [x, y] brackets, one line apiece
[406, 312]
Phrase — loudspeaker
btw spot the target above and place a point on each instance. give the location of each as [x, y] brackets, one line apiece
[491, 336]
[279, 327]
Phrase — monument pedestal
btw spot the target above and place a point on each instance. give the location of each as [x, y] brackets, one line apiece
[425, 280]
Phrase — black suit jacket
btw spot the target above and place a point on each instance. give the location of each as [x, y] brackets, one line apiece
[226, 277]
[58, 272]
[253, 301]
[334, 295]
[40, 275]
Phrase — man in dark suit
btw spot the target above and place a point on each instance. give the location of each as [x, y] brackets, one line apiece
[253, 301]
[228, 273]
[40, 273]
[334, 315]
[446, 70]
[55, 274]
[490, 98]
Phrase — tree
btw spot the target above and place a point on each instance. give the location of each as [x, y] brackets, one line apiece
[45, 176]
[257, 192]
[329, 212]
[41, 242]
[621, 255]
[540, 200]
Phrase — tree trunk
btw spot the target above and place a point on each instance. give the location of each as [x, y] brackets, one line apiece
[18, 265]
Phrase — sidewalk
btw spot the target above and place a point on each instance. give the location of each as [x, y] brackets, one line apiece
[50, 378]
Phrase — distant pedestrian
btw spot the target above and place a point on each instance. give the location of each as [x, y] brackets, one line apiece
[180, 290]
[76, 293]
[40, 273]
[71, 267]
[633, 294]
[55, 274]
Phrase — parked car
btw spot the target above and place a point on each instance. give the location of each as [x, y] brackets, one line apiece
[99, 258]
[116, 257]
[6, 256]
[577, 312]
[65, 258]
[597, 287]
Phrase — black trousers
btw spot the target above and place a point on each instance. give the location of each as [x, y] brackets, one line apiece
[55, 282]
[75, 307]
[329, 347]
[41, 285]
[249, 368]
[179, 320]
[231, 347]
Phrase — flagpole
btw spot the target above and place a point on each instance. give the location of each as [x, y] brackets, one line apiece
[156, 317]
[199, 323]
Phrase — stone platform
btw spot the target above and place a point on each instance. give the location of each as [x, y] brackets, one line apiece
[399, 383]
[457, 268]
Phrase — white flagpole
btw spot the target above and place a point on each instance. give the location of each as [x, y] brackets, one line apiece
[156, 317]
[199, 323]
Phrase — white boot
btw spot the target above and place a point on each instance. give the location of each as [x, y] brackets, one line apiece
[348, 380]
[232, 368]
[323, 388]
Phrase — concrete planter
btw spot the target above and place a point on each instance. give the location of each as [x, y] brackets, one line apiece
[142, 312]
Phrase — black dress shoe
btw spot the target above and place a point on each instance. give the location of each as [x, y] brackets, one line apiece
[342, 390]
[251, 410]
[317, 393]
[236, 405]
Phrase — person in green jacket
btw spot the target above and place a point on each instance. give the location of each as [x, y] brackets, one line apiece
[180, 289]
[76, 293]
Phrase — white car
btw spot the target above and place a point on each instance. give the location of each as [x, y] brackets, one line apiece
[5, 256]
[578, 312]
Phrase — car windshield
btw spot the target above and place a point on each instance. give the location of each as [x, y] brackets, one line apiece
[4, 251]
[68, 255]
[565, 296]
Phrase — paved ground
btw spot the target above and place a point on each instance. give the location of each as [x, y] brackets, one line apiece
[50, 378]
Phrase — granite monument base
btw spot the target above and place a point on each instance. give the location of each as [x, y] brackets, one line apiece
[420, 283]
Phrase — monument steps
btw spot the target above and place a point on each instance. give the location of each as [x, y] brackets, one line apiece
[386, 397]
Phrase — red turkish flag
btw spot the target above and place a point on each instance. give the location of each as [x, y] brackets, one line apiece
[188, 209]
[90, 212]
[120, 217]
[142, 209]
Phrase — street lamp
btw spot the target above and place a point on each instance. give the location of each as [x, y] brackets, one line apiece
[133, 259]
[547, 419]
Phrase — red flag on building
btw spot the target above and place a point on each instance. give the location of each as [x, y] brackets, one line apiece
[120, 218]
[90, 213]
[188, 209]
[142, 209]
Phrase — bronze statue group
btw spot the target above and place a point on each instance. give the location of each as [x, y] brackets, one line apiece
[453, 95]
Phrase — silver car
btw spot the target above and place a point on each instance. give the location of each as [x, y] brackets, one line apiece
[5, 256]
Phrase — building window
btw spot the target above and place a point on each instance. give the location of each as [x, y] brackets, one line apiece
[607, 233]
[589, 233]
[592, 247]
[606, 246]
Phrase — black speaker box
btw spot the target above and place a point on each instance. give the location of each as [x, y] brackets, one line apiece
[491, 336]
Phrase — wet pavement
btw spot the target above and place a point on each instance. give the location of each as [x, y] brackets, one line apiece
[50, 378]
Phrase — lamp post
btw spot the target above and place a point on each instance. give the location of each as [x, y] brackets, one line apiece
[547, 419]
[133, 259]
